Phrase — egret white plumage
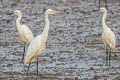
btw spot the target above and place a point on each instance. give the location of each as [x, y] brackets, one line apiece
[25, 33]
[108, 36]
[38, 44]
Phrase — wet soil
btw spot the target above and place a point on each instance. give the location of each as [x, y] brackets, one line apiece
[74, 51]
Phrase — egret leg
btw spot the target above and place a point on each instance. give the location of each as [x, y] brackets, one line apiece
[28, 68]
[23, 53]
[99, 4]
[106, 56]
[109, 57]
[106, 4]
[37, 66]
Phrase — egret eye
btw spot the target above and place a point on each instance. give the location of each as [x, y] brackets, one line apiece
[15, 12]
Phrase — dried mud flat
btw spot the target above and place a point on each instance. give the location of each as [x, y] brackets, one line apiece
[74, 47]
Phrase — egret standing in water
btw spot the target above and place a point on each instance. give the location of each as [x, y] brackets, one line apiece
[108, 37]
[25, 33]
[38, 44]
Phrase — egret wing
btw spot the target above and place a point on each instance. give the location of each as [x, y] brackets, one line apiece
[28, 35]
[33, 49]
[112, 39]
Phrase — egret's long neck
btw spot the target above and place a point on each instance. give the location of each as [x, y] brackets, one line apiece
[103, 20]
[18, 21]
[46, 29]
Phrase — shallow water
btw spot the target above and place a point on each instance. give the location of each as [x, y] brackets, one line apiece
[74, 47]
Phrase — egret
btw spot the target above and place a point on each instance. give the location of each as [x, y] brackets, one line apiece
[38, 44]
[25, 33]
[108, 36]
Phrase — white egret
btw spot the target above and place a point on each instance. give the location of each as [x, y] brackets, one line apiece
[38, 44]
[25, 33]
[108, 36]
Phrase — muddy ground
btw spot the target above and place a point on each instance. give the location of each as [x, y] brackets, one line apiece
[74, 47]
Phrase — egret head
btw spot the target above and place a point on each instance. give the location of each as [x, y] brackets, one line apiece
[103, 10]
[17, 12]
[50, 11]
